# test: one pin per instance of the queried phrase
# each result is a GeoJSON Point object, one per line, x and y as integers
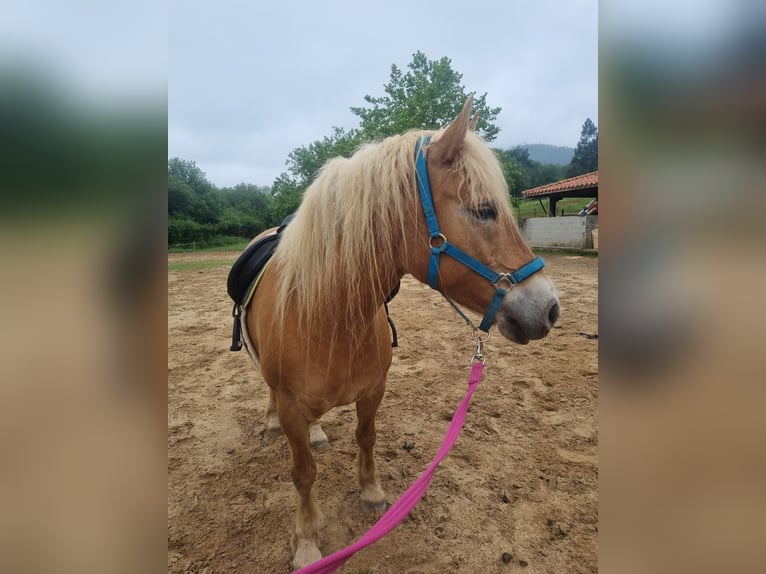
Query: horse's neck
{"type": "Point", "coordinates": [369, 296]}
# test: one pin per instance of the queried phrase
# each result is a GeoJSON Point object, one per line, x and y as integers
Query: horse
{"type": "Point", "coordinates": [316, 326]}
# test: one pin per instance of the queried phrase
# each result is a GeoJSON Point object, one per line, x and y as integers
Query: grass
{"type": "Point", "coordinates": [564, 251]}
{"type": "Point", "coordinates": [220, 243]}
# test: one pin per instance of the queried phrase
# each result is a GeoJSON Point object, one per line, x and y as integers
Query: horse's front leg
{"type": "Point", "coordinates": [317, 436]}
{"type": "Point", "coordinates": [372, 498]}
{"type": "Point", "coordinates": [308, 517]}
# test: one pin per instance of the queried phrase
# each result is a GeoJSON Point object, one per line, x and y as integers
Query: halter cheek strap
{"type": "Point", "coordinates": [503, 282]}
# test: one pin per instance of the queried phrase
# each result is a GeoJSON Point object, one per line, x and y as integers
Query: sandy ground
{"type": "Point", "coordinates": [518, 493]}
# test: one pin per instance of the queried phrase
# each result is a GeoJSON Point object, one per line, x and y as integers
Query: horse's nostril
{"type": "Point", "coordinates": [553, 314]}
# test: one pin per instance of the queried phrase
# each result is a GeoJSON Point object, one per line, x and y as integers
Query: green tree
{"type": "Point", "coordinates": [253, 204]}
{"type": "Point", "coordinates": [548, 173]}
{"type": "Point", "coordinates": [185, 230]}
{"type": "Point", "coordinates": [304, 162]}
{"type": "Point", "coordinates": [287, 193]}
{"type": "Point", "coordinates": [522, 172]}
{"type": "Point", "coordinates": [199, 211]}
{"type": "Point", "coordinates": [428, 96]}
{"type": "Point", "coordinates": [181, 196]}
{"type": "Point", "coordinates": [188, 172]}
{"type": "Point", "coordinates": [585, 158]}
{"type": "Point", "coordinates": [516, 176]}
{"type": "Point", "coordinates": [205, 205]}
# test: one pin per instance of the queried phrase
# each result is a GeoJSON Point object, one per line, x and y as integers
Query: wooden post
{"type": "Point", "coordinates": [553, 202]}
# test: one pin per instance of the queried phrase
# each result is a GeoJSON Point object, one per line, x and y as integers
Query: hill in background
{"type": "Point", "coordinates": [544, 153]}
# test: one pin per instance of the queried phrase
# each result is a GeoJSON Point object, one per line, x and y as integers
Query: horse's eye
{"type": "Point", "coordinates": [486, 211]}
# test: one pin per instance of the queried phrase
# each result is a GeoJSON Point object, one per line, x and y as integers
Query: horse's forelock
{"type": "Point", "coordinates": [483, 176]}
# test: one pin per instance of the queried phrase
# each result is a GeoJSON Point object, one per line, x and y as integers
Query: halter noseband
{"type": "Point", "coordinates": [503, 282]}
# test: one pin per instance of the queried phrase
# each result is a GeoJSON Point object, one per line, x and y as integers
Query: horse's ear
{"type": "Point", "coordinates": [474, 121]}
{"type": "Point", "coordinates": [447, 148]}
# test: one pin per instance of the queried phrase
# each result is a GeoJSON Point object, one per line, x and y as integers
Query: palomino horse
{"type": "Point", "coordinates": [316, 326]}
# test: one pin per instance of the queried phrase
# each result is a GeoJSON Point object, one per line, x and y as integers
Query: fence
{"type": "Point", "coordinates": [221, 243]}
{"type": "Point", "coordinates": [183, 246]}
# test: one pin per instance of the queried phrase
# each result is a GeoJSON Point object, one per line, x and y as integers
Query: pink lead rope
{"type": "Point", "coordinates": [411, 496]}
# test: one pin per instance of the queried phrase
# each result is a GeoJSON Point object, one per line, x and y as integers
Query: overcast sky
{"type": "Point", "coordinates": [249, 81]}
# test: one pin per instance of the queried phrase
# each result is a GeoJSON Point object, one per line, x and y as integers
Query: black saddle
{"type": "Point", "coordinates": [244, 271]}
{"type": "Point", "coordinates": [251, 262]}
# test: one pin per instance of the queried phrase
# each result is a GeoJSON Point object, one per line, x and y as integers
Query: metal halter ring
{"type": "Point", "coordinates": [477, 336]}
{"type": "Point", "coordinates": [437, 237]}
{"type": "Point", "coordinates": [507, 277]}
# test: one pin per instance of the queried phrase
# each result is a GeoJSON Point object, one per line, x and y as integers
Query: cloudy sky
{"type": "Point", "coordinates": [249, 81]}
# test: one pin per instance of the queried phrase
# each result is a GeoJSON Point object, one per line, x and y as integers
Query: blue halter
{"type": "Point", "coordinates": [503, 282]}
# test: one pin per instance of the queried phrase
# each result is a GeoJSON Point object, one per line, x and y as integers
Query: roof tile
{"type": "Point", "coordinates": [577, 182]}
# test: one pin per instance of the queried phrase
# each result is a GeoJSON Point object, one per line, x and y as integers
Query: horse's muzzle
{"type": "Point", "coordinates": [528, 316]}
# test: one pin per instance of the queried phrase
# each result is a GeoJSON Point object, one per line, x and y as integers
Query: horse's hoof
{"type": "Point", "coordinates": [317, 438]}
{"type": "Point", "coordinates": [305, 554]}
{"type": "Point", "coordinates": [368, 507]}
{"type": "Point", "coordinates": [320, 445]}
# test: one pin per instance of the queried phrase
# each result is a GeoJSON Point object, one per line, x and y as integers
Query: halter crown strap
{"type": "Point", "coordinates": [439, 245]}
{"type": "Point", "coordinates": [424, 187]}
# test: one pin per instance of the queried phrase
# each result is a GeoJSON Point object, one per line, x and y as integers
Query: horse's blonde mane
{"type": "Point", "coordinates": [348, 237]}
